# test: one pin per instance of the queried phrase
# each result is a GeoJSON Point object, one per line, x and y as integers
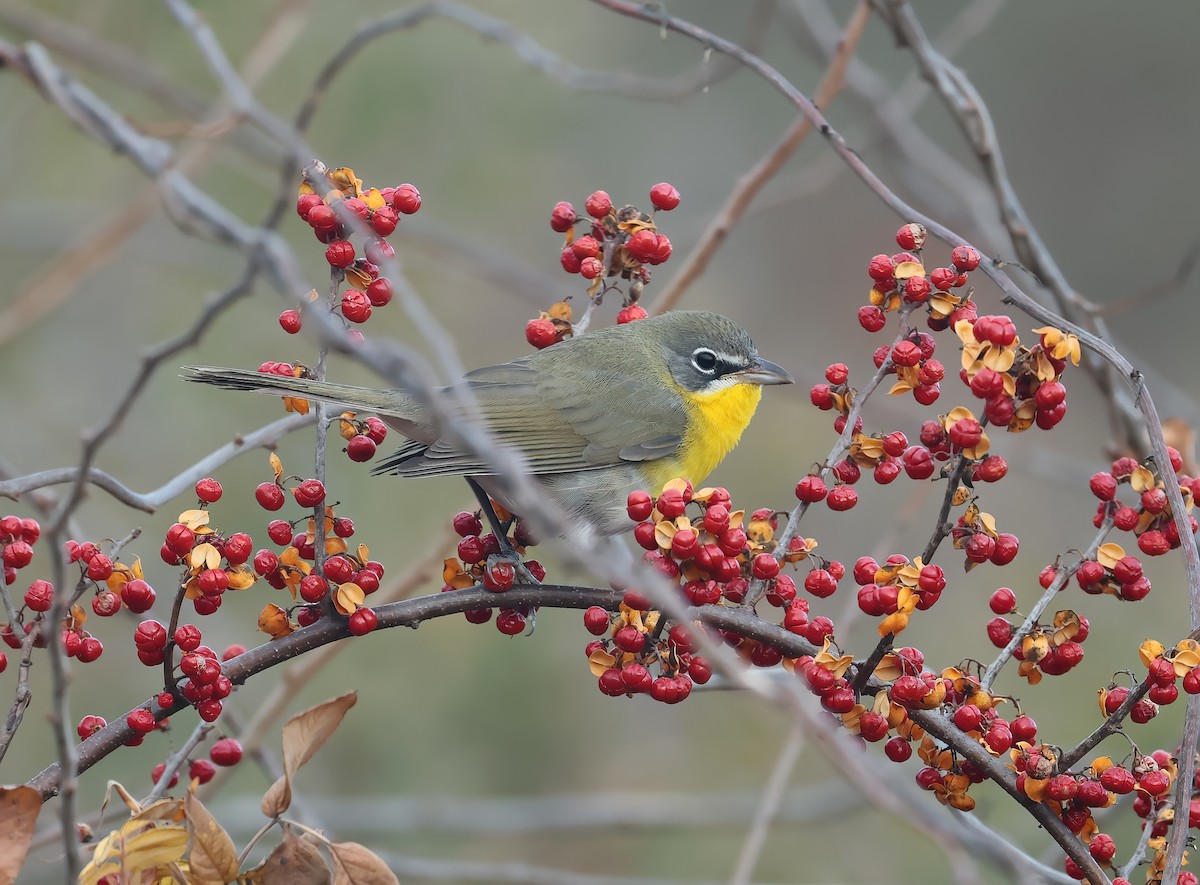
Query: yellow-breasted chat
{"type": "Point", "coordinates": [596, 417]}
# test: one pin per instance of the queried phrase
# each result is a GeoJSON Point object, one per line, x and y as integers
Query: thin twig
{"type": "Point", "coordinates": [753, 181]}
{"type": "Point", "coordinates": [266, 437]}
{"type": "Point", "coordinates": [768, 808]}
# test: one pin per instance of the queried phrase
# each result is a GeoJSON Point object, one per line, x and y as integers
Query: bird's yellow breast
{"type": "Point", "coordinates": [715, 421]}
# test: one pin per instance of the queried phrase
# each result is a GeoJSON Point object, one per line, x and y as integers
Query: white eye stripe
{"type": "Point", "coordinates": [708, 361]}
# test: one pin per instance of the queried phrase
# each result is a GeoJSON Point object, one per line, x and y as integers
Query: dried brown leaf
{"type": "Point", "coordinates": [213, 857]}
{"type": "Point", "coordinates": [19, 808]}
{"type": "Point", "coordinates": [295, 861]}
{"type": "Point", "coordinates": [358, 865]}
{"type": "Point", "coordinates": [303, 735]}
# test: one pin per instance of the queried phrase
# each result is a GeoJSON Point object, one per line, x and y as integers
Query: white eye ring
{"type": "Point", "coordinates": [704, 360]}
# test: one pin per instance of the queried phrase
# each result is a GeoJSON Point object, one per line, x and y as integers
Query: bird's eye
{"type": "Point", "coordinates": [704, 360]}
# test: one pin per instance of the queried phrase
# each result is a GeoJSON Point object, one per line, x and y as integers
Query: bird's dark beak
{"type": "Point", "coordinates": [765, 372]}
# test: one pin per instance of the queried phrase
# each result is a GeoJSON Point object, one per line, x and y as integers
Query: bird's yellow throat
{"type": "Point", "coordinates": [715, 421]}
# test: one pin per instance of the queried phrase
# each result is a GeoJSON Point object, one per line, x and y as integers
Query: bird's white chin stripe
{"type": "Point", "coordinates": [719, 384]}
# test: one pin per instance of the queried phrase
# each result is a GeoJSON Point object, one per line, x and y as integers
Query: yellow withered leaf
{"type": "Point", "coordinates": [273, 621]}
{"type": "Point", "coordinates": [1035, 647]}
{"type": "Point", "coordinates": [1141, 480]}
{"type": "Point", "coordinates": [599, 661]}
{"type": "Point", "coordinates": [1187, 656]}
{"type": "Point", "coordinates": [837, 664]}
{"type": "Point", "coordinates": [240, 578]}
{"type": "Point", "coordinates": [357, 277]}
{"type": "Point", "coordinates": [1110, 554]}
{"type": "Point", "coordinates": [348, 597]}
{"type": "Point", "coordinates": [1066, 627]}
{"type": "Point", "coordinates": [374, 199]}
{"type": "Point", "coordinates": [204, 556]}
{"type": "Point", "coordinates": [344, 179]}
{"type": "Point", "coordinates": [213, 857]}
{"type": "Point", "coordinates": [193, 519]}
{"type": "Point", "coordinates": [454, 576]}
{"type": "Point", "coordinates": [893, 623]}
{"type": "Point", "coordinates": [1150, 651]}
{"type": "Point", "coordinates": [908, 269]}
{"type": "Point", "coordinates": [276, 466]}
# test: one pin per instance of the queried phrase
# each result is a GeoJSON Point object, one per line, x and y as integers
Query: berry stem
{"type": "Point", "coordinates": [758, 588]}
{"type": "Point", "coordinates": [1060, 581]}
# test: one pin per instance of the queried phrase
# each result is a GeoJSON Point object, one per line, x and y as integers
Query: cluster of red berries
{"type": "Point", "coordinates": [17, 537]}
{"type": "Point", "coordinates": [620, 244]}
{"type": "Point", "coordinates": [338, 214]}
{"type": "Point", "coordinates": [224, 752]}
{"type": "Point", "coordinates": [1151, 520]}
{"type": "Point", "coordinates": [212, 561]}
{"type": "Point", "coordinates": [345, 577]}
{"type": "Point", "coordinates": [1020, 386]}
{"type": "Point", "coordinates": [634, 643]}
{"type": "Point", "coordinates": [713, 559]}
{"type": "Point", "coordinates": [481, 563]}
{"type": "Point", "coordinates": [363, 435]}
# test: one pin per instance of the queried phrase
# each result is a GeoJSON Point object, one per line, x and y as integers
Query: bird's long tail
{"type": "Point", "coordinates": [384, 402]}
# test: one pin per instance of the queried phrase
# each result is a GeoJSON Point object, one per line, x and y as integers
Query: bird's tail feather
{"type": "Point", "coordinates": [386, 402]}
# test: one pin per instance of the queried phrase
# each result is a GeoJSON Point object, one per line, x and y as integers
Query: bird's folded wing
{"type": "Point", "coordinates": [558, 424]}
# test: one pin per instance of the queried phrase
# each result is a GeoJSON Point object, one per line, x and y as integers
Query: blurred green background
{"type": "Point", "coordinates": [1096, 112]}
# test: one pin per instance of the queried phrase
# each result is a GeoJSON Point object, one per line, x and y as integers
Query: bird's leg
{"type": "Point", "coordinates": [500, 530]}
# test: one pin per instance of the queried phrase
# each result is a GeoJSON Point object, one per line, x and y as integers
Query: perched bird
{"type": "Point", "coordinates": [596, 417]}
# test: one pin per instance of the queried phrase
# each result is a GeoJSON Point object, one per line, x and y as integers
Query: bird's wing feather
{"type": "Point", "coordinates": [558, 423]}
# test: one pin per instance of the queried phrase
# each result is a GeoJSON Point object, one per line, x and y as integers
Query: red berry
{"type": "Point", "coordinates": [208, 490]}
{"type": "Point", "coordinates": [562, 218]}
{"type": "Point", "coordinates": [1153, 543]}
{"type": "Point", "coordinates": [100, 567]}
{"type": "Point", "coordinates": [911, 236]}
{"type": "Point", "coordinates": [980, 547]}
{"type": "Point", "coordinates": [340, 253]}
{"type": "Point", "coordinates": [406, 199]}
{"type": "Point", "coordinates": [881, 268]}
{"type": "Point", "coordinates": [898, 749]}
{"type": "Point", "coordinates": [872, 318]}
{"type": "Point", "coordinates": [841, 498]}
{"type": "Point", "coordinates": [138, 596]}
{"type": "Point", "coordinates": [499, 575]}
{"type": "Point", "coordinates": [964, 258]}
{"type": "Point", "coordinates": [141, 721]}
{"type": "Point", "coordinates": [598, 205]}
{"type": "Point", "coordinates": [664, 196]}
{"type": "Point", "coordinates": [384, 220]}
{"type": "Point", "coordinates": [309, 493]}
{"type": "Point", "coordinates": [360, 448]}
{"type": "Point", "coordinates": [643, 245]}
{"type": "Point", "coordinates": [356, 306]}
{"type": "Point", "coordinates": [269, 496]}
{"type": "Point", "coordinates": [510, 622]}
{"type": "Point", "coordinates": [999, 631]}
{"type": "Point", "coordinates": [1003, 601]}
{"type": "Point", "coordinates": [764, 567]}
{"type": "Point", "coordinates": [541, 333]}
{"type": "Point", "coordinates": [595, 620]}
{"type": "Point", "coordinates": [362, 622]}
{"type": "Point", "coordinates": [630, 314]}
{"type": "Point", "coordinates": [226, 752]}
{"type": "Point", "coordinates": [40, 596]}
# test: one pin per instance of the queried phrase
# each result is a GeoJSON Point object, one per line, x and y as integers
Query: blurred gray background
{"type": "Point", "coordinates": [1097, 115]}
